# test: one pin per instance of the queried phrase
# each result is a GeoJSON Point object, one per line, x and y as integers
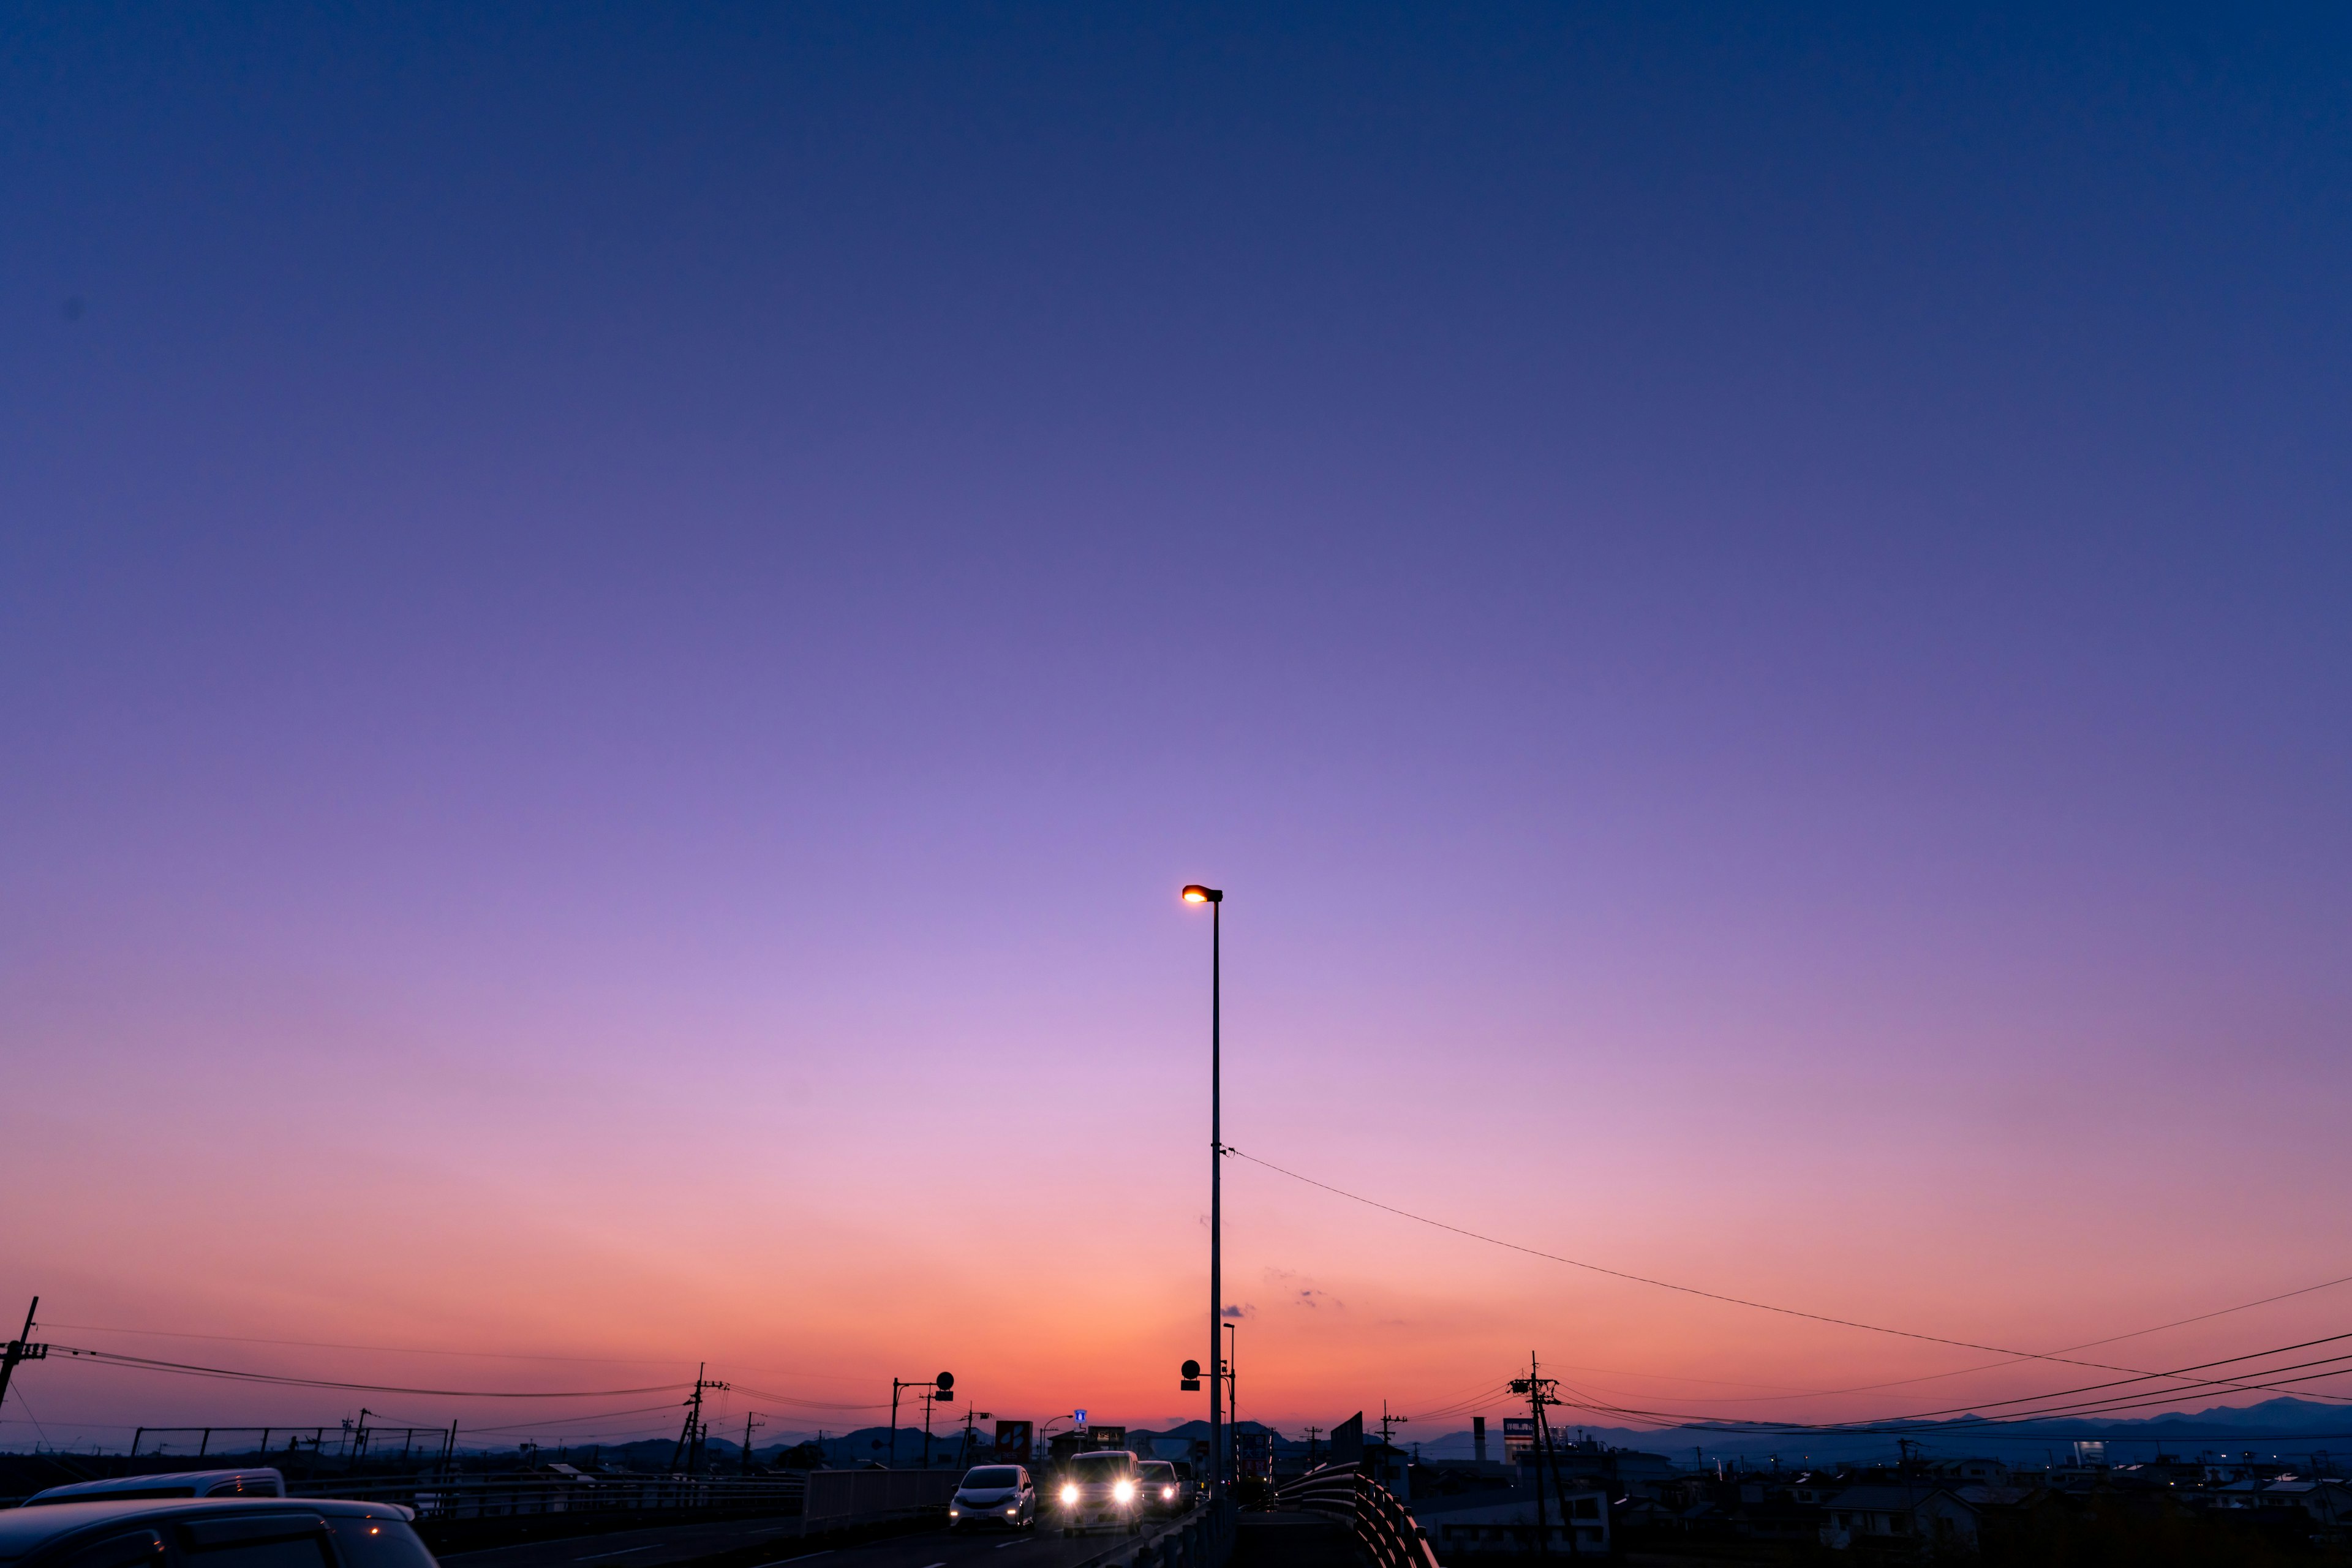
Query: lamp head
{"type": "Point", "coordinates": [1197, 894]}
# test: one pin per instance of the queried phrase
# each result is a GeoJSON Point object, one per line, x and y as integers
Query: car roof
{"type": "Point", "coordinates": [1161, 1464]}
{"type": "Point", "coordinates": [1106, 1454]}
{"type": "Point", "coordinates": [196, 1482]}
{"type": "Point", "coordinates": [26, 1530]}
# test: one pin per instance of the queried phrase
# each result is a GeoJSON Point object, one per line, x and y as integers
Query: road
{"type": "Point", "coordinates": [1039, 1548]}
{"type": "Point", "coordinates": [649, 1548]}
{"type": "Point", "coordinates": [665, 1545]}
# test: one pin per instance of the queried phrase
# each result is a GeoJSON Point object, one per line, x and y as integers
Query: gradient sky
{"type": "Point", "coordinates": [617, 630]}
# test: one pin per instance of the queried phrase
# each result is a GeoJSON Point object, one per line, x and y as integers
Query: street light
{"type": "Point", "coordinates": [1216, 899]}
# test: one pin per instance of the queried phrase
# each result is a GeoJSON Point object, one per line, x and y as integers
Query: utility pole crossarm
{"type": "Point", "coordinates": [21, 1349]}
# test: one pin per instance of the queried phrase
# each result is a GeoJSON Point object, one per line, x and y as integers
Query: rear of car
{"type": "Point", "coordinates": [993, 1494]}
{"type": "Point", "coordinates": [201, 1533]}
{"type": "Point", "coordinates": [1101, 1490]}
{"type": "Point", "coordinates": [263, 1482]}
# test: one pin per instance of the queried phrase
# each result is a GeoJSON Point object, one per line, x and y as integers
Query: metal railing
{"type": "Point", "coordinates": [1201, 1536]}
{"type": "Point", "coordinates": [457, 1496]}
{"type": "Point", "coordinates": [838, 1499]}
{"type": "Point", "coordinates": [1385, 1533]}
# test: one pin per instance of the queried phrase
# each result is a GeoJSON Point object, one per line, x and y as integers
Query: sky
{"type": "Point", "coordinates": [618, 625]}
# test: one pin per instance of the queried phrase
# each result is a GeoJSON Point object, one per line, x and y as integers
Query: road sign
{"type": "Point", "coordinates": [1078, 1419]}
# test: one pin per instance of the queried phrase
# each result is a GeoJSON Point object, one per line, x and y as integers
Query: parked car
{"type": "Point", "coordinates": [994, 1494]}
{"type": "Point", "coordinates": [1100, 1490]}
{"type": "Point", "coordinates": [1163, 1492]}
{"type": "Point", "coordinates": [179, 1483]}
{"type": "Point", "coordinates": [211, 1533]}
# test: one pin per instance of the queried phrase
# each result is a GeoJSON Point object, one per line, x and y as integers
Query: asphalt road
{"type": "Point", "coordinates": [1043, 1547]}
{"type": "Point", "coordinates": [649, 1548]}
{"type": "Point", "coordinates": [1040, 1547]}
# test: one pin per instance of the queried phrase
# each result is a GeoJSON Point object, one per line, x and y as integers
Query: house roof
{"type": "Point", "coordinates": [1888, 1499]}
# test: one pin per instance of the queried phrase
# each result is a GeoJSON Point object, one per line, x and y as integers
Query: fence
{"type": "Point", "coordinates": [1385, 1533]}
{"type": "Point", "coordinates": [507, 1497]}
{"type": "Point", "coordinates": [837, 1499]}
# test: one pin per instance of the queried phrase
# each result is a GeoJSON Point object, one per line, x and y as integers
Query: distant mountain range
{"type": "Point", "coordinates": [2300, 1425]}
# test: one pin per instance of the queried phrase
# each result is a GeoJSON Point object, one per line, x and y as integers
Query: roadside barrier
{"type": "Point", "coordinates": [449, 1498]}
{"type": "Point", "coordinates": [1385, 1533]}
{"type": "Point", "coordinates": [838, 1499]}
{"type": "Point", "coordinates": [1201, 1539]}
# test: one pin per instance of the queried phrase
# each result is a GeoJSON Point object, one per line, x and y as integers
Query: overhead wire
{"type": "Point", "coordinates": [147, 1363]}
{"type": "Point", "coordinates": [1967, 1415]}
{"type": "Point", "coordinates": [392, 1350]}
{"type": "Point", "coordinates": [2010, 1353]}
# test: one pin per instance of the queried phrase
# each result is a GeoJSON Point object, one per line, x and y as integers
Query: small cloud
{"type": "Point", "coordinates": [1246, 1309]}
{"type": "Point", "coordinates": [1312, 1298]}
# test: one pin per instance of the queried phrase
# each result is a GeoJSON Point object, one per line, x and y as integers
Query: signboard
{"type": "Point", "coordinates": [1109, 1436]}
{"type": "Point", "coordinates": [1012, 1442]}
{"type": "Point", "coordinates": [1254, 1455]}
{"type": "Point", "coordinates": [1078, 1419]}
{"type": "Point", "coordinates": [1518, 1438]}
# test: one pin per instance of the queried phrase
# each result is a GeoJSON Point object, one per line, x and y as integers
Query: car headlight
{"type": "Point", "coordinates": [1124, 1492]}
{"type": "Point", "coordinates": [1167, 1491]}
{"type": "Point", "coordinates": [1011, 1512]}
{"type": "Point", "coordinates": [1070, 1496]}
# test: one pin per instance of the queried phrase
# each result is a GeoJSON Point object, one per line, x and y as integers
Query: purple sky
{"type": "Point", "coordinates": [616, 633]}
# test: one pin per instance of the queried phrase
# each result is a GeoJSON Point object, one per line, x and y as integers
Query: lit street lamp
{"type": "Point", "coordinates": [1216, 899]}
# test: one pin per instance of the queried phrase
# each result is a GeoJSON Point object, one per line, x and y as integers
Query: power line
{"type": "Point", "coordinates": [1928, 1420]}
{"type": "Point", "coordinates": [1743, 1302]}
{"type": "Point", "coordinates": [805, 1404]}
{"type": "Point", "coordinates": [394, 1350]}
{"type": "Point", "coordinates": [144, 1363]}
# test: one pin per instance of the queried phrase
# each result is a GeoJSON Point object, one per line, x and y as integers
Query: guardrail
{"type": "Point", "coordinates": [838, 1499]}
{"type": "Point", "coordinates": [507, 1497]}
{"type": "Point", "coordinates": [1385, 1533]}
{"type": "Point", "coordinates": [1201, 1539]}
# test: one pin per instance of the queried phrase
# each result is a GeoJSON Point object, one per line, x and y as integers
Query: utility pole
{"type": "Point", "coordinates": [970, 1416]}
{"type": "Point", "coordinates": [21, 1349]}
{"type": "Point", "coordinates": [690, 1436]}
{"type": "Point", "coordinates": [1388, 1420]}
{"type": "Point", "coordinates": [1312, 1432]}
{"type": "Point", "coordinates": [1538, 1391]}
{"type": "Point", "coordinates": [1552, 1462]}
{"type": "Point", "coordinates": [1234, 1399]}
{"type": "Point", "coordinates": [750, 1421]}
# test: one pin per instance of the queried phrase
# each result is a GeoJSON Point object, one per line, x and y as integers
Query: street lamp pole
{"type": "Point", "coordinates": [1215, 899]}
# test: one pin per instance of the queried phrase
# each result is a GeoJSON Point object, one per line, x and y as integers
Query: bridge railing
{"type": "Point", "coordinates": [506, 1497]}
{"type": "Point", "coordinates": [1385, 1533]}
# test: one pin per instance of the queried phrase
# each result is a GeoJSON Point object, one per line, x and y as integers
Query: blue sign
{"type": "Point", "coordinates": [1080, 1417]}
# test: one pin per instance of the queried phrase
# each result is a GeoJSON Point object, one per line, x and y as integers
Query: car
{"type": "Point", "coordinates": [1100, 1490]}
{"type": "Point", "coordinates": [993, 1494]}
{"type": "Point", "coordinates": [211, 1533]}
{"type": "Point", "coordinates": [1188, 1485]}
{"type": "Point", "coordinates": [1163, 1492]}
{"type": "Point", "coordinates": [178, 1483]}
